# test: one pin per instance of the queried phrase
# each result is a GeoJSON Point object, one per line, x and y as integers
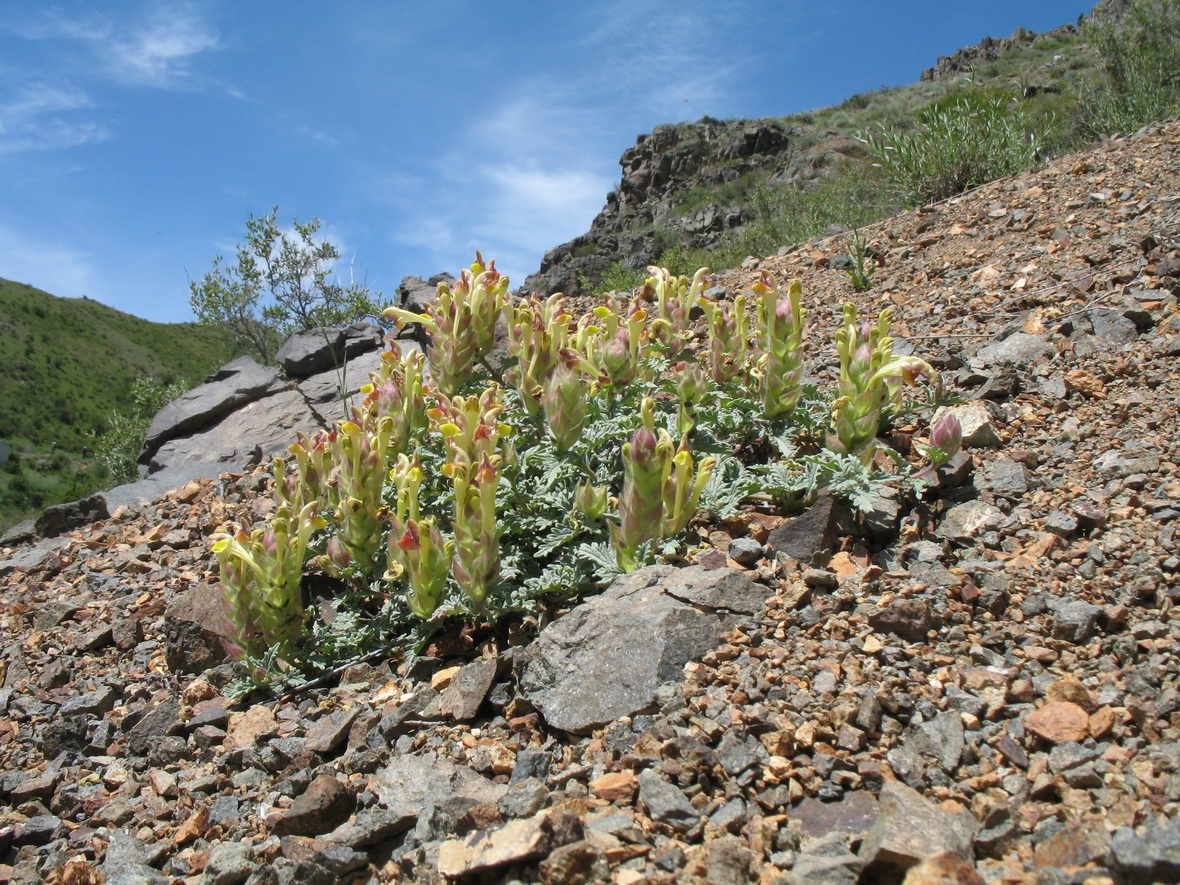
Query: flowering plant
{"type": "Point", "coordinates": [451, 491]}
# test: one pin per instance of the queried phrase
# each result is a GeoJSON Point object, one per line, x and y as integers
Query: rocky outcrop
{"type": "Point", "coordinates": [659, 174]}
{"type": "Point", "coordinates": [245, 411]}
{"type": "Point", "coordinates": [318, 350]}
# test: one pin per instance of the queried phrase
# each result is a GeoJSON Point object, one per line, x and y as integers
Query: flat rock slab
{"type": "Point", "coordinates": [326, 386]}
{"type": "Point", "coordinates": [32, 557]}
{"type": "Point", "coordinates": [606, 658]}
{"type": "Point", "coordinates": [410, 784]}
{"type": "Point", "coordinates": [910, 828]}
{"type": "Point", "coordinates": [314, 350]}
{"type": "Point", "coordinates": [852, 816]}
{"type": "Point", "coordinates": [1018, 349]}
{"type": "Point", "coordinates": [269, 423]}
{"type": "Point", "coordinates": [516, 841]}
{"type": "Point", "coordinates": [151, 488]}
{"type": "Point", "coordinates": [230, 387]}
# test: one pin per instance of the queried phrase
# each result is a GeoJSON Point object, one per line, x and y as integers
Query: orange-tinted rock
{"type": "Point", "coordinates": [248, 726]}
{"type": "Point", "coordinates": [1059, 721]}
{"type": "Point", "coordinates": [1101, 722]}
{"type": "Point", "coordinates": [1072, 691]}
{"type": "Point", "coordinates": [616, 785]}
{"type": "Point", "coordinates": [947, 868]}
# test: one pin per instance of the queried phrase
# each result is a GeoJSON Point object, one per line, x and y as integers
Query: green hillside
{"type": "Point", "coordinates": [67, 365]}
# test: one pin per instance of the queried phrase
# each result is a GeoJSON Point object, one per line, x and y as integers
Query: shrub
{"type": "Point", "coordinates": [117, 448]}
{"type": "Point", "coordinates": [1139, 55]}
{"type": "Point", "coordinates": [465, 493]}
{"type": "Point", "coordinates": [282, 281]}
{"type": "Point", "coordinates": [964, 142]}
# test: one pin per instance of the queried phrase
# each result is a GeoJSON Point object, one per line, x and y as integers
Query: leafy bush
{"type": "Point", "coordinates": [471, 493]}
{"type": "Point", "coordinates": [955, 145]}
{"type": "Point", "coordinates": [117, 448]}
{"type": "Point", "coordinates": [1139, 55]}
{"type": "Point", "coordinates": [282, 282]}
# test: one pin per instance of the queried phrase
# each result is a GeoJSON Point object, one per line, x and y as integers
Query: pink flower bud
{"type": "Point", "coordinates": [411, 540]}
{"type": "Point", "coordinates": [947, 433]}
{"type": "Point", "coordinates": [338, 553]}
{"type": "Point", "coordinates": [643, 446]}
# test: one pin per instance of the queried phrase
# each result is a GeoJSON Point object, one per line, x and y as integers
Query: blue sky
{"type": "Point", "coordinates": [136, 137]}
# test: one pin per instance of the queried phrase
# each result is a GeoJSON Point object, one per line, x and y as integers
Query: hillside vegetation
{"type": "Point", "coordinates": [67, 365]}
{"type": "Point", "coordinates": [985, 112]}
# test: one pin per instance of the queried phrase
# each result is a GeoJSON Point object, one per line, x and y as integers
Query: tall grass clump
{"type": "Point", "coordinates": [781, 213]}
{"type": "Point", "coordinates": [1139, 56]}
{"type": "Point", "coordinates": [956, 145]}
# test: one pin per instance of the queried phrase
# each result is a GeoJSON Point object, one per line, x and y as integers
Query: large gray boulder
{"type": "Point", "coordinates": [316, 350]}
{"type": "Point", "coordinates": [232, 386]}
{"type": "Point", "coordinates": [336, 384]}
{"type": "Point", "coordinates": [606, 658]}
{"type": "Point", "coordinates": [269, 424]}
{"type": "Point", "coordinates": [415, 293]}
{"type": "Point", "coordinates": [333, 393]}
{"type": "Point", "coordinates": [245, 409]}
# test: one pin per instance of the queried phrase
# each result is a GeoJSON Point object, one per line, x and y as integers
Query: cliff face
{"type": "Point", "coordinates": [662, 169]}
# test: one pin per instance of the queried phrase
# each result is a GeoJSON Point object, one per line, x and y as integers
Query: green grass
{"type": "Point", "coordinates": [791, 212]}
{"type": "Point", "coordinates": [67, 365]}
{"type": "Point", "coordinates": [957, 143]}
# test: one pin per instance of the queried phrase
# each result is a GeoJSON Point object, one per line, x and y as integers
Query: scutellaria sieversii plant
{"type": "Point", "coordinates": [779, 368]}
{"type": "Point", "coordinates": [675, 297]}
{"type": "Point", "coordinates": [462, 322]}
{"type": "Point", "coordinates": [729, 346]}
{"type": "Point", "coordinates": [870, 382]}
{"type": "Point", "coordinates": [261, 574]}
{"type": "Point", "coordinates": [450, 492]}
{"type": "Point", "coordinates": [538, 339]}
{"type": "Point", "coordinates": [477, 444]}
{"type": "Point", "coordinates": [661, 488]}
{"type": "Point", "coordinates": [417, 549]}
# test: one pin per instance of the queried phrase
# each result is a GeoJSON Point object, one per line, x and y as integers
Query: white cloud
{"type": "Point", "coordinates": [39, 118]}
{"type": "Point", "coordinates": [532, 169]}
{"type": "Point", "coordinates": [548, 192]}
{"type": "Point", "coordinates": [47, 110]}
{"type": "Point", "coordinates": [158, 51]}
{"type": "Point", "coordinates": [155, 49]}
{"type": "Point", "coordinates": [60, 270]}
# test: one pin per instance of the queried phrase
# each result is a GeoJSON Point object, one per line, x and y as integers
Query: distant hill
{"type": "Point", "coordinates": [714, 191]}
{"type": "Point", "coordinates": [66, 364]}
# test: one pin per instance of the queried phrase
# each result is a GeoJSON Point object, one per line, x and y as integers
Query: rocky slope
{"type": "Point", "coordinates": [984, 688]}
